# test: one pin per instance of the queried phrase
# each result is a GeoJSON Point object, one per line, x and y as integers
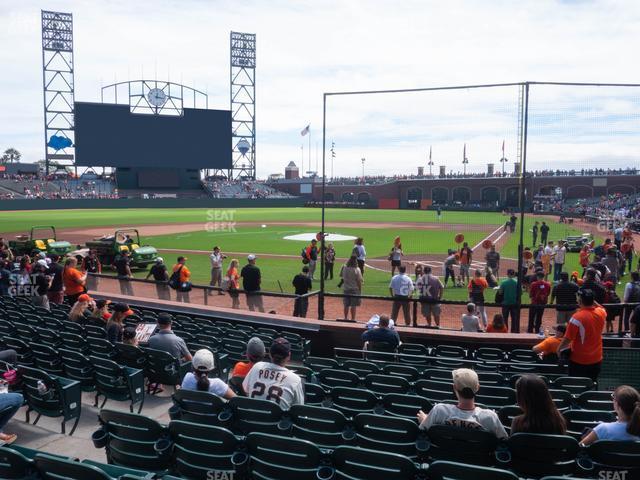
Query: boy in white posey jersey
{"type": "Point", "coordinates": [273, 381]}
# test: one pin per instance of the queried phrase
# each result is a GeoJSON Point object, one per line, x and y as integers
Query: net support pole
{"type": "Point", "coordinates": [322, 243]}
{"type": "Point", "coordinates": [523, 172]}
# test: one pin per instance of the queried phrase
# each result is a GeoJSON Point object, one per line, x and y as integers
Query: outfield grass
{"type": "Point", "coordinates": [20, 221]}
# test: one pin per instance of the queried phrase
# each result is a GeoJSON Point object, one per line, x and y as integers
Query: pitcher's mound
{"type": "Point", "coordinates": [329, 237]}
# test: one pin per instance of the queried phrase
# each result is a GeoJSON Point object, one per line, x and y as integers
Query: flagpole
{"type": "Point", "coordinates": [309, 149]}
{"type": "Point", "coordinates": [302, 154]}
{"type": "Point", "coordinates": [316, 158]}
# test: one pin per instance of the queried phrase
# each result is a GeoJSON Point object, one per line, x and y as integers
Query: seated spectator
{"type": "Point", "coordinates": [626, 403]}
{"type": "Point", "coordinates": [382, 333]}
{"type": "Point", "coordinates": [100, 314]}
{"type": "Point", "coordinates": [497, 325]}
{"type": "Point", "coordinates": [540, 414]}
{"type": "Point", "coordinates": [273, 381]}
{"type": "Point", "coordinates": [129, 336]}
{"type": "Point", "coordinates": [464, 414]}
{"type": "Point", "coordinates": [115, 324]}
{"type": "Point", "coordinates": [78, 312]}
{"type": "Point", "coordinates": [167, 341]}
{"type": "Point", "coordinates": [549, 346]}
{"type": "Point", "coordinates": [470, 321]}
{"type": "Point", "coordinates": [255, 353]}
{"type": "Point", "coordinates": [10, 403]}
{"type": "Point", "coordinates": [203, 364]}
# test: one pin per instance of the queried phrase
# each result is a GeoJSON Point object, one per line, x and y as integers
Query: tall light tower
{"type": "Point", "coordinates": [243, 105]}
{"type": "Point", "coordinates": [363, 160]}
{"type": "Point", "coordinates": [465, 160]}
{"type": "Point", "coordinates": [430, 163]}
{"type": "Point", "coordinates": [58, 88]}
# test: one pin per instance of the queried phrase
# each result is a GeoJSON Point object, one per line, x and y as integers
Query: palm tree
{"type": "Point", "coordinates": [11, 155]}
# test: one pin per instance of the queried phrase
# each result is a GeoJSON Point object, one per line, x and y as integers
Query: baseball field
{"type": "Point", "coordinates": [193, 233]}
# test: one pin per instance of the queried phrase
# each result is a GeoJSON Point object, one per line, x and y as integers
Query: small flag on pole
{"type": "Point", "coordinates": [305, 130]}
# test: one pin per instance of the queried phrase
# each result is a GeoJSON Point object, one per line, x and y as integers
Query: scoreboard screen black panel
{"type": "Point", "coordinates": [108, 135]}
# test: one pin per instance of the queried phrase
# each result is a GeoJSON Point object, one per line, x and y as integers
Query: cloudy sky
{"type": "Point", "coordinates": [306, 48]}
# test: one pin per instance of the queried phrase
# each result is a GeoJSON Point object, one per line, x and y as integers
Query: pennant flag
{"type": "Point", "coordinates": [305, 130]}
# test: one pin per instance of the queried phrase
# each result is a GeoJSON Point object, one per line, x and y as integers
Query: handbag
{"type": "Point", "coordinates": [11, 376]}
{"type": "Point", "coordinates": [499, 297]}
{"type": "Point", "coordinates": [174, 280]}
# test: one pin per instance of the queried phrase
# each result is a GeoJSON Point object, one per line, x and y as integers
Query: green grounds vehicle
{"type": "Point", "coordinates": [108, 247]}
{"type": "Point", "coordinates": [576, 242]}
{"type": "Point", "coordinates": [41, 238]}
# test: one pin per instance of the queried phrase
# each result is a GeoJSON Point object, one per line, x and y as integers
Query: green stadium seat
{"type": "Point", "coordinates": [77, 367]}
{"type": "Point", "coordinates": [46, 358]}
{"type": "Point", "coordinates": [385, 349]}
{"type": "Point", "coordinates": [405, 406]}
{"type": "Point", "coordinates": [303, 372]}
{"type": "Point", "coordinates": [388, 434]}
{"type": "Point", "coordinates": [101, 347]}
{"type": "Point", "coordinates": [438, 374]}
{"type": "Point", "coordinates": [318, 363]}
{"type": "Point", "coordinates": [435, 391]}
{"type": "Point", "coordinates": [507, 414]}
{"type": "Point", "coordinates": [409, 373]}
{"type": "Point", "coordinates": [360, 367]}
{"type": "Point", "coordinates": [246, 415]}
{"type": "Point", "coordinates": [496, 397]}
{"type": "Point", "coordinates": [130, 441]}
{"type": "Point", "coordinates": [614, 456]}
{"type": "Point", "coordinates": [118, 472]}
{"type": "Point", "coordinates": [163, 368]}
{"type": "Point", "coordinates": [130, 356]}
{"type": "Point", "coordinates": [475, 447]}
{"type": "Point", "coordinates": [523, 356]}
{"type": "Point", "coordinates": [51, 468]}
{"type": "Point", "coordinates": [562, 399]}
{"type": "Point", "coordinates": [49, 337]}
{"type": "Point", "coordinates": [197, 407]}
{"type": "Point", "coordinates": [212, 342]}
{"type": "Point", "coordinates": [14, 465]}
{"type": "Point", "coordinates": [533, 455]}
{"type": "Point", "coordinates": [201, 449]}
{"type": "Point", "coordinates": [489, 354]}
{"type": "Point", "coordinates": [352, 401]}
{"type": "Point", "coordinates": [596, 400]}
{"type": "Point", "coordinates": [354, 463]}
{"type": "Point", "coordinates": [73, 327]}
{"type": "Point", "coordinates": [579, 420]}
{"type": "Point", "coordinates": [326, 427]}
{"type": "Point", "coordinates": [575, 385]}
{"type": "Point", "coordinates": [93, 331]}
{"type": "Point", "coordinates": [493, 379]}
{"type": "Point", "coordinates": [117, 382]}
{"type": "Point", "coordinates": [62, 398]}
{"type": "Point", "coordinates": [330, 378]}
{"type": "Point", "coordinates": [273, 457]}
{"type": "Point", "coordinates": [443, 470]}
{"type": "Point", "coordinates": [25, 356]}
{"type": "Point", "coordinates": [314, 394]}
{"type": "Point", "coordinates": [75, 342]}
{"type": "Point", "coordinates": [450, 351]}
{"type": "Point", "coordinates": [414, 354]}
{"type": "Point", "coordinates": [383, 384]}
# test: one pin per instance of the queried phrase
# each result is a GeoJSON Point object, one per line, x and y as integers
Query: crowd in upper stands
{"type": "Point", "coordinates": [615, 205]}
{"type": "Point", "coordinates": [53, 187]}
{"type": "Point", "coordinates": [225, 188]}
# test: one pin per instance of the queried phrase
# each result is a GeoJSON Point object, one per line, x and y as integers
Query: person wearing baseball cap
{"type": "Point", "coordinates": [159, 273]}
{"type": "Point", "coordinates": [464, 414]}
{"type": "Point", "coordinates": [40, 282]}
{"type": "Point", "coordinates": [255, 353]}
{"type": "Point", "coordinates": [273, 381]}
{"type": "Point", "coordinates": [79, 309]}
{"type": "Point", "coordinates": [251, 279]}
{"type": "Point", "coordinates": [184, 280]}
{"type": "Point", "coordinates": [584, 337]}
{"type": "Point", "coordinates": [203, 364]}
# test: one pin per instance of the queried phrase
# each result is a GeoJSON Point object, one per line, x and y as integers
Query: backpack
{"type": "Point", "coordinates": [174, 279]}
{"type": "Point", "coordinates": [634, 293]}
{"type": "Point", "coordinates": [303, 254]}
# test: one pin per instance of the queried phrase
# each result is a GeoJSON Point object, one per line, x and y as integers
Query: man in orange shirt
{"type": "Point", "coordinates": [184, 280]}
{"type": "Point", "coordinates": [255, 353]}
{"type": "Point", "coordinates": [466, 256]}
{"type": "Point", "coordinates": [584, 335]}
{"type": "Point", "coordinates": [73, 280]}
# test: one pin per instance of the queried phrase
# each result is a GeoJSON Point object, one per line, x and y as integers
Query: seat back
{"type": "Point", "coordinates": [610, 455]}
{"type": "Point", "coordinates": [355, 463]}
{"type": "Point", "coordinates": [575, 385]}
{"type": "Point", "coordinates": [490, 354]}
{"type": "Point", "coordinates": [461, 445]}
{"type": "Point", "coordinates": [53, 468]}
{"type": "Point", "coordinates": [383, 384]}
{"type": "Point", "coordinates": [110, 378]}
{"type": "Point", "coordinates": [131, 356]}
{"type": "Point", "coordinates": [73, 341]}
{"type": "Point", "coordinates": [596, 400]}
{"type": "Point", "coordinates": [198, 407]}
{"type": "Point", "coordinates": [409, 373]}
{"type": "Point", "coordinates": [199, 449]}
{"type": "Point", "coordinates": [360, 367]}
{"type": "Point", "coordinates": [414, 354]}
{"type": "Point", "coordinates": [162, 367]}
{"type": "Point", "coordinates": [443, 470]}
{"type": "Point", "coordinates": [352, 401]}
{"type": "Point", "coordinates": [562, 398]}
{"type": "Point", "coordinates": [405, 406]}
{"type": "Point", "coordinates": [131, 440]}
{"type": "Point", "coordinates": [47, 358]}
{"type": "Point", "coordinates": [101, 347]}
{"type": "Point", "coordinates": [14, 465]}
{"type": "Point", "coordinates": [48, 403]}
{"type": "Point", "coordinates": [314, 394]}
{"type": "Point", "coordinates": [255, 415]}
{"type": "Point", "coordinates": [318, 363]}
{"type": "Point", "coordinates": [507, 414]}
{"type": "Point", "coordinates": [282, 458]}
{"type": "Point", "coordinates": [579, 420]}
{"type": "Point", "coordinates": [323, 426]}
{"type": "Point", "coordinates": [387, 434]}
{"type": "Point", "coordinates": [538, 455]}
{"type": "Point", "coordinates": [77, 367]}
{"type": "Point", "coordinates": [496, 397]}
{"type": "Point", "coordinates": [435, 391]}
{"type": "Point", "coordinates": [330, 377]}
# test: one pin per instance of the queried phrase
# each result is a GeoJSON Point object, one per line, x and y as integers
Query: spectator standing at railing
{"type": "Point", "coordinates": [493, 261]}
{"type": "Point", "coordinates": [430, 289]}
{"type": "Point", "coordinates": [74, 280]}
{"type": "Point", "coordinates": [631, 295]}
{"type": "Point", "coordinates": [466, 257]}
{"type": "Point", "coordinates": [302, 285]}
{"type": "Point", "coordinates": [477, 286]}
{"type": "Point", "coordinates": [184, 280]}
{"type": "Point", "coordinates": [361, 253]}
{"type": "Point", "coordinates": [395, 255]}
{"type": "Point", "coordinates": [351, 282]}
{"type": "Point", "coordinates": [160, 275]}
{"type": "Point", "coordinates": [329, 261]}
{"type": "Point", "coordinates": [539, 294]}
{"type": "Point", "coordinates": [122, 264]}
{"type": "Point", "coordinates": [564, 294]}
{"type": "Point", "coordinates": [584, 337]}
{"type": "Point", "coordinates": [509, 291]}
{"type": "Point", "coordinates": [251, 280]}
{"type": "Point", "coordinates": [401, 288]}
{"type": "Point", "coordinates": [233, 283]}
{"type": "Point", "coordinates": [216, 259]}
{"type": "Point", "coordinates": [559, 256]}
{"type": "Point", "coordinates": [91, 265]}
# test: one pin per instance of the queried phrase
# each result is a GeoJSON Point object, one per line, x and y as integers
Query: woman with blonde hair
{"type": "Point", "coordinates": [395, 255]}
{"type": "Point", "coordinates": [233, 279]}
{"type": "Point", "coordinates": [78, 310]}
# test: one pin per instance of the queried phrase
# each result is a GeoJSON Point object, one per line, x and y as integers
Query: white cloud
{"type": "Point", "coordinates": [306, 48]}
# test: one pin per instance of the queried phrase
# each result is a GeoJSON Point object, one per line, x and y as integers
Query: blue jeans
{"type": "Point", "coordinates": [557, 269]}
{"type": "Point", "coordinates": [10, 403]}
